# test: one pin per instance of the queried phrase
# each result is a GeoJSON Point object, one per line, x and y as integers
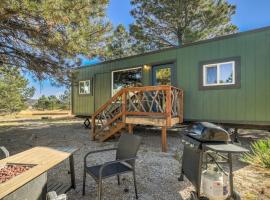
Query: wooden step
{"type": "Point", "coordinates": [102, 134]}
{"type": "Point", "coordinates": [113, 131]}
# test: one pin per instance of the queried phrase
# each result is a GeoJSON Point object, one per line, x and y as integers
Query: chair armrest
{"type": "Point", "coordinates": [97, 151]}
{"type": "Point", "coordinates": [112, 162]}
{"type": "Point", "coordinates": [5, 151]}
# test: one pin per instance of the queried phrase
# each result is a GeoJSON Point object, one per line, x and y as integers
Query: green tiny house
{"type": "Point", "coordinates": [225, 79]}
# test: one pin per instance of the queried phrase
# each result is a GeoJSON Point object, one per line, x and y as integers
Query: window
{"type": "Point", "coordinates": [162, 74]}
{"type": "Point", "coordinates": [84, 87]}
{"type": "Point", "coordinates": [224, 73]}
{"type": "Point", "coordinates": [219, 74]}
{"type": "Point", "coordinates": [126, 78]}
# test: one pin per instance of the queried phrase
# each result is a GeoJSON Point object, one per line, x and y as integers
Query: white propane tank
{"type": "Point", "coordinates": [214, 184]}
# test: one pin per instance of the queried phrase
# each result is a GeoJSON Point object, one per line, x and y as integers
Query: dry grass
{"type": "Point", "coordinates": [253, 182]}
{"type": "Point", "coordinates": [34, 114]}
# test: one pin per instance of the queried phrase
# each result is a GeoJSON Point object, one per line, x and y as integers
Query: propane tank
{"type": "Point", "coordinates": [214, 184]}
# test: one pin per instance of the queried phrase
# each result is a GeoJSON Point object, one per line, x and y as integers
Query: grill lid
{"type": "Point", "coordinates": [208, 132]}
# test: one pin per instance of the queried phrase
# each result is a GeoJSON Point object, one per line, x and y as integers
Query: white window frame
{"type": "Point", "coordinates": [121, 70]}
{"type": "Point", "coordinates": [84, 84]}
{"type": "Point", "coordinates": [217, 65]}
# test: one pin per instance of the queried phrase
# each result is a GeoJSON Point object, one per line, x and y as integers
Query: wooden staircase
{"type": "Point", "coordinates": [150, 105]}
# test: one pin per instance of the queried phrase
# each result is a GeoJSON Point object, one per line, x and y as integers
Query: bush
{"type": "Point", "coordinates": [259, 155]}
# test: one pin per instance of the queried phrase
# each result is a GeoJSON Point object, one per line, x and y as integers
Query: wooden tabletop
{"type": "Point", "coordinates": [43, 157]}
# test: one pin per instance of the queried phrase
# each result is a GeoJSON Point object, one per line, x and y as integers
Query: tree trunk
{"type": "Point", "coordinates": [180, 39]}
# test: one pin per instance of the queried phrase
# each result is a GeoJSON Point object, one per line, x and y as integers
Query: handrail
{"type": "Point", "coordinates": [112, 99]}
{"type": "Point", "coordinates": [164, 100]}
{"type": "Point", "coordinates": [148, 88]}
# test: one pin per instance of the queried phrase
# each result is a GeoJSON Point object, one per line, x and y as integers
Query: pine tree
{"type": "Point", "coordinates": [14, 90]}
{"type": "Point", "coordinates": [167, 23]}
{"type": "Point", "coordinates": [44, 36]}
{"type": "Point", "coordinates": [121, 44]}
{"type": "Point", "coordinates": [65, 99]}
{"type": "Point", "coordinates": [42, 103]}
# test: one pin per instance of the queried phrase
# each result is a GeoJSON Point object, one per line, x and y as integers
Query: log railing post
{"type": "Point", "coordinates": [93, 127]}
{"type": "Point", "coordinates": [124, 101]}
{"type": "Point", "coordinates": [130, 128]}
{"type": "Point", "coordinates": [164, 138]}
{"type": "Point", "coordinates": [181, 106]}
{"type": "Point", "coordinates": [168, 107]}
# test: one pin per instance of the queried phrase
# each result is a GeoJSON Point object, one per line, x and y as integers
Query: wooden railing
{"type": "Point", "coordinates": [107, 114]}
{"type": "Point", "coordinates": [153, 101]}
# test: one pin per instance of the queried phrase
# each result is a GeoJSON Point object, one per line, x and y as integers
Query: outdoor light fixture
{"type": "Point", "coordinates": [147, 67]}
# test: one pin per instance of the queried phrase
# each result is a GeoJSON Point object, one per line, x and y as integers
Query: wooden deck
{"type": "Point", "coordinates": [150, 105]}
{"type": "Point", "coordinates": [43, 157]}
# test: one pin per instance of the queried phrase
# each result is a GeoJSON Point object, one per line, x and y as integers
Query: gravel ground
{"type": "Point", "coordinates": [157, 172]}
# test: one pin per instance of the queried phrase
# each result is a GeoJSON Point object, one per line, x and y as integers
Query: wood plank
{"type": "Point", "coordinates": [164, 138]}
{"type": "Point", "coordinates": [148, 88]}
{"type": "Point", "coordinates": [168, 107]}
{"type": "Point", "coordinates": [114, 98]}
{"type": "Point", "coordinates": [124, 100]}
{"type": "Point", "coordinates": [146, 114]}
{"type": "Point", "coordinates": [43, 157]}
{"type": "Point", "coordinates": [116, 117]}
{"type": "Point", "coordinates": [153, 121]}
{"type": "Point", "coordinates": [112, 131]}
{"type": "Point", "coordinates": [93, 131]}
{"type": "Point", "coordinates": [175, 120]}
{"type": "Point", "coordinates": [146, 121]}
{"type": "Point", "coordinates": [181, 107]}
{"type": "Point", "coordinates": [130, 128]}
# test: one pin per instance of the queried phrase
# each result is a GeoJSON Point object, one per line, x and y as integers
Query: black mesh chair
{"type": "Point", "coordinates": [125, 162]}
{"type": "Point", "coordinates": [4, 152]}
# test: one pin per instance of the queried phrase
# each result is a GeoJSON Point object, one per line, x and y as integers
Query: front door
{"type": "Point", "coordinates": [163, 74]}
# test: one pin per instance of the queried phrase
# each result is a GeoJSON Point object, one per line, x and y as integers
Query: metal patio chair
{"type": "Point", "coordinates": [126, 152]}
{"type": "Point", "coordinates": [4, 151]}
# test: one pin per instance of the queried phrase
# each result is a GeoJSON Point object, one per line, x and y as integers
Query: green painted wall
{"type": "Point", "coordinates": [248, 104]}
{"type": "Point", "coordinates": [102, 80]}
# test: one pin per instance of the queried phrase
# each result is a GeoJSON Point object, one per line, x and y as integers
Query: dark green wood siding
{"type": "Point", "coordinates": [248, 104]}
{"type": "Point", "coordinates": [102, 80]}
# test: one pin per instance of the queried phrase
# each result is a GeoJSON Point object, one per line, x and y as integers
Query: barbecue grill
{"type": "Point", "coordinates": [206, 143]}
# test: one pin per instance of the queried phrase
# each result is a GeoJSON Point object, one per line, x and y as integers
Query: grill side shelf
{"type": "Point", "coordinates": [225, 148]}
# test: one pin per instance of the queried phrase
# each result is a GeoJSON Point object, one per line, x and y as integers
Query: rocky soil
{"type": "Point", "coordinates": [157, 172]}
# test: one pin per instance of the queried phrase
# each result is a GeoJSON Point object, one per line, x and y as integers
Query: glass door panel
{"type": "Point", "coordinates": [162, 74]}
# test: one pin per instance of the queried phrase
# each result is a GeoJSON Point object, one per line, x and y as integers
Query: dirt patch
{"type": "Point", "coordinates": [157, 172]}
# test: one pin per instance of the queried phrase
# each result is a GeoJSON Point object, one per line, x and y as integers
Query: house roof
{"type": "Point", "coordinates": [183, 46]}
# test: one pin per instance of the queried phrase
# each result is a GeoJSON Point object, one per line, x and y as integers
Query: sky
{"type": "Point", "coordinates": [250, 14]}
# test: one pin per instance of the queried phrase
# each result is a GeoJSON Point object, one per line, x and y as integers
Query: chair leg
{"type": "Point", "coordinates": [84, 179]}
{"type": "Point", "coordinates": [100, 189]}
{"type": "Point", "coordinates": [118, 179]}
{"type": "Point", "coordinates": [135, 185]}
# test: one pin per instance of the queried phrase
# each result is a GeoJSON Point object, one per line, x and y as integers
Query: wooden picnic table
{"type": "Point", "coordinates": [44, 158]}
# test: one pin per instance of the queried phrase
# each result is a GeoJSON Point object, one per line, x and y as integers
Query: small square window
{"type": "Point", "coordinates": [211, 73]}
{"type": "Point", "coordinates": [219, 74]}
{"type": "Point", "coordinates": [84, 87]}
